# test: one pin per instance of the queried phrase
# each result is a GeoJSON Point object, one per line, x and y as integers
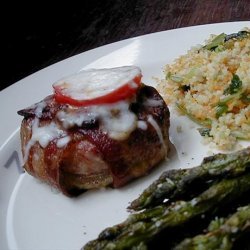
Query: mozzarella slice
{"type": "Point", "coordinates": [93, 83]}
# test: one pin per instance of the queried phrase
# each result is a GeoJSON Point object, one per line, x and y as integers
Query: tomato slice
{"type": "Point", "coordinates": [98, 86]}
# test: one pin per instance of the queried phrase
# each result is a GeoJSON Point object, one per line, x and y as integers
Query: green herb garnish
{"type": "Point", "coordinates": [204, 131]}
{"type": "Point", "coordinates": [235, 85]}
{"type": "Point", "coordinates": [173, 77]}
{"type": "Point", "coordinates": [218, 40]}
{"type": "Point", "coordinates": [239, 35]}
{"type": "Point", "coordinates": [221, 108]}
{"type": "Point", "coordinates": [184, 88]}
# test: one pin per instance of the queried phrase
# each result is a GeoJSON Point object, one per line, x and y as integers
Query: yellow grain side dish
{"type": "Point", "coordinates": [211, 85]}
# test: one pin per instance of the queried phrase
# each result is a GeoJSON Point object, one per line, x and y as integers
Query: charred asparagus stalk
{"type": "Point", "coordinates": [174, 183]}
{"type": "Point", "coordinates": [221, 233]}
{"type": "Point", "coordinates": [142, 227]}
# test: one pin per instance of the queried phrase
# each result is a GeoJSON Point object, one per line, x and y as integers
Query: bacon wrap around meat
{"type": "Point", "coordinates": [91, 159]}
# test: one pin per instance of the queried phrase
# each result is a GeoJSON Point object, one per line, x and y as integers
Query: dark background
{"type": "Point", "coordinates": [37, 35]}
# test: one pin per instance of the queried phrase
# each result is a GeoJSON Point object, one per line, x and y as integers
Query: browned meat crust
{"type": "Point", "coordinates": [92, 159]}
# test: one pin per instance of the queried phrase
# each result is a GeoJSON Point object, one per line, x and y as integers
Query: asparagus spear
{"type": "Point", "coordinates": [222, 235]}
{"type": "Point", "coordinates": [163, 187]}
{"type": "Point", "coordinates": [142, 227]}
{"type": "Point", "coordinates": [174, 183]}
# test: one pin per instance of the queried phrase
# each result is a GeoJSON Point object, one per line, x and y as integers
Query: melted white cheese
{"type": "Point", "coordinates": [115, 119]}
{"type": "Point", "coordinates": [62, 142]}
{"type": "Point", "coordinates": [142, 125]}
{"type": "Point", "coordinates": [152, 102]}
{"type": "Point", "coordinates": [152, 121]}
{"type": "Point", "coordinates": [44, 134]}
{"type": "Point", "coordinates": [93, 83]}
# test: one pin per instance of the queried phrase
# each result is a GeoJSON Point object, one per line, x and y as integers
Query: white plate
{"type": "Point", "coordinates": [32, 215]}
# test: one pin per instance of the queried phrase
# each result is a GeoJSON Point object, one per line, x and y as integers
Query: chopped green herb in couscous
{"type": "Point", "coordinates": [211, 85]}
